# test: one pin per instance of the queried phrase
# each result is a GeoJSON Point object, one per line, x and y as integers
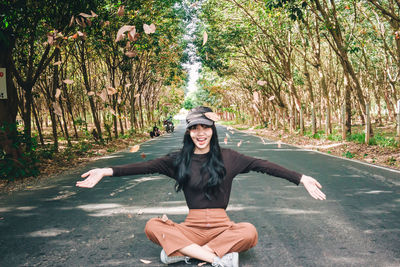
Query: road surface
{"type": "Point", "coordinates": [58, 224]}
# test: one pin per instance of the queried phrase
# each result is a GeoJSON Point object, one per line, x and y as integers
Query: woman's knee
{"type": "Point", "coordinates": [250, 234]}
{"type": "Point", "coordinates": [151, 227]}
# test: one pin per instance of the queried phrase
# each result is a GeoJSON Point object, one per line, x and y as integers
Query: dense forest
{"type": "Point", "coordinates": [98, 70]}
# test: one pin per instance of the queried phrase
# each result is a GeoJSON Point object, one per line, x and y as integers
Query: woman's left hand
{"type": "Point", "coordinates": [313, 187]}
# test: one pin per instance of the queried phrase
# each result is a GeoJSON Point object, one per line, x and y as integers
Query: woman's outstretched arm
{"type": "Point", "coordinates": [93, 177]}
{"type": "Point", "coordinates": [313, 187]}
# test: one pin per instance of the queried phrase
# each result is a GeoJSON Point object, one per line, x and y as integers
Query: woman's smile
{"type": "Point", "coordinates": [201, 136]}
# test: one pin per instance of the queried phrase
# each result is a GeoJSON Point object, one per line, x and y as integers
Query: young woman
{"type": "Point", "coordinates": [204, 172]}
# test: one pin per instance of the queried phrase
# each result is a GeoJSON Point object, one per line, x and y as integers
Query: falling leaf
{"type": "Point", "coordinates": [50, 39]}
{"type": "Point", "coordinates": [227, 135]}
{"type": "Point", "coordinates": [85, 15]}
{"type": "Point", "coordinates": [90, 93]}
{"type": "Point", "coordinates": [137, 95]}
{"type": "Point", "coordinates": [71, 21]}
{"type": "Point", "coordinates": [83, 23]}
{"type": "Point", "coordinates": [57, 109]}
{"type": "Point", "coordinates": [58, 93]}
{"type": "Point", "coordinates": [112, 112]}
{"type": "Point", "coordinates": [80, 33]}
{"type": "Point", "coordinates": [111, 91]}
{"type": "Point", "coordinates": [121, 11]}
{"type": "Point", "coordinates": [279, 143]}
{"type": "Point", "coordinates": [130, 216]}
{"type": "Point", "coordinates": [256, 97]}
{"type": "Point", "coordinates": [140, 212]}
{"type": "Point", "coordinates": [58, 63]}
{"type": "Point", "coordinates": [212, 116]}
{"type": "Point", "coordinates": [205, 37]}
{"type": "Point", "coordinates": [226, 140]}
{"type": "Point", "coordinates": [134, 149]}
{"type": "Point", "coordinates": [164, 218]}
{"type": "Point", "coordinates": [106, 23]}
{"type": "Point", "coordinates": [271, 98]}
{"type": "Point", "coordinates": [229, 128]}
{"type": "Point", "coordinates": [261, 83]}
{"type": "Point", "coordinates": [1, 218]}
{"type": "Point", "coordinates": [143, 155]}
{"type": "Point", "coordinates": [262, 140]}
{"type": "Point", "coordinates": [240, 143]}
{"type": "Point", "coordinates": [132, 33]}
{"type": "Point", "coordinates": [148, 29]}
{"type": "Point", "coordinates": [93, 14]}
{"type": "Point", "coordinates": [75, 36]}
{"type": "Point", "coordinates": [130, 53]}
{"type": "Point", "coordinates": [103, 95]}
{"type": "Point", "coordinates": [145, 261]}
{"type": "Point", "coordinates": [67, 81]}
{"type": "Point", "coordinates": [127, 85]}
{"type": "Point", "coordinates": [121, 32]}
{"type": "Point", "coordinates": [232, 132]}
{"type": "Point", "coordinates": [201, 263]}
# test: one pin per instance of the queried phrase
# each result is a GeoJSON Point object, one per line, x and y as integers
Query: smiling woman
{"type": "Point", "coordinates": [204, 172]}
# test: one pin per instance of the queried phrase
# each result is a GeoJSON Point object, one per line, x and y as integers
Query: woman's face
{"type": "Point", "coordinates": [201, 136]}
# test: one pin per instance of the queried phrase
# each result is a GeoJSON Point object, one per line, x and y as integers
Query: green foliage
{"type": "Point", "coordinates": [348, 155]}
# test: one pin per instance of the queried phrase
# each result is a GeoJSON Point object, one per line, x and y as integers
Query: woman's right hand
{"type": "Point", "coordinates": [93, 177]}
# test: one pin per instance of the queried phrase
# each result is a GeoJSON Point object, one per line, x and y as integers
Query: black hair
{"type": "Point", "coordinates": [214, 166]}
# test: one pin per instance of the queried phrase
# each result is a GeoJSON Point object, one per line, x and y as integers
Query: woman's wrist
{"type": "Point", "coordinates": [108, 171]}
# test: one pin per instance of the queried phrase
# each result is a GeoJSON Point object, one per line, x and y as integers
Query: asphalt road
{"type": "Point", "coordinates": [58, 224]}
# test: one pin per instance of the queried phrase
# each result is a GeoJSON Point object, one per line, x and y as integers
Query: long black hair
{"type": "Point", "coordinates": [214, 166]}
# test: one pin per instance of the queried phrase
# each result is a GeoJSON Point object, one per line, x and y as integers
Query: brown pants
{"type": "Point", "coordinates": [211, 227]}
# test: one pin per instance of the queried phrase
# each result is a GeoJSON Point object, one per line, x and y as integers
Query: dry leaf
{"type": "Point", "coordinates": [145, 261]}
{"type": "Point", "coordinates": [201, 263]}
{"type": "Point", "coordinates": [127, 85]}
{"type": "Point", "coordinates": [164, 218]}
{"type": "Point", "coordinates": [58, 63]}
{"type": "Point", "coordinates": [271, 98]}
{"type": "Point", "coordinates": [103, 95]}
{"type": "Point", "coordinates": [57, 109]}
{"type": "Point", "coordinates": [111, 91]}
{"type": "Point", "coordinates": [134, 149]}
{"type": "Point", "coordinates": [71, 21]}
{"type": "Point", "coordinates": [255, 107]}
{"type": "Point", "coordinates": [140, 212]}
{"type": "Point", "coordinates": [226, 140]}
{"type": "Point", "coordinates": [205, 37]}
{"type": "Point", "coordinates": [137, 95]}
{"type": "Point", "coordinates": [261, 83]}
{"type": "Point", "coordinates": [80, 33]}
{"type": "Point", "coordinates": [279, 143]}
{"type": "Point", "coordinates": [93, 14]}
{"type": "Point", "coordinates": [148, 29]}
{"type": "Point", "coordinates": [227, 135]}
{"type": "Point", "coordinates": [50, 39]}
{"type": "Point", "coordinates": [112, 112]}
{"type": "Point", "coordinates": [143, 155]}
{"type": "Point", "coordinates": [212, 116]}
{"type": "Point", "coordinates": [132, 33]}
{"type": "Point", "coordinates": [58, 93]}
{"type": "Point", "coordinates": [122, 30]}
{"type": "Point", "coordinates": [121, 11]}
{"type": "Point", "coordinates": [256, 97]}
{"type": "Point", "coordinates": [232, 132]}
{"type": "Point", "coordinates": [240, 143]}
{"type": "Point", "coordinates": [85, 15]}
{"type": "Point", "coordinates": [90, 93]}
{"type": "Point", "coordinates": [67, 81]}
{"type": "Point", "coordinates": [130, 216]}
{"type": "Point", "coordinates": [130, 53]}
{"type": "Point", "coordinates": [229, 128]}
{"type": "Point", "coordinates": [262, 140]}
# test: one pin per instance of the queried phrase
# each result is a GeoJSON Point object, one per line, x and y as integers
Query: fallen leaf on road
{"type": "Point", "coordinates": [134, 149]}
{"type": "Point", "coordinates": [145, 261]}
{"type": "Point", "coordinates": [143, 155]}
{"type": "Point", "coordinates": [226, 140]}
{"type": "Point", "coordinates": [140, 212]}
{"type": "Point", "coordinates": [240, 143]}
{"type": "Point", "coordinates": [279, 143]}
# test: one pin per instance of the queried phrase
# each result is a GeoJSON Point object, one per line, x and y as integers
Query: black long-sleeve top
{"type": "Point", "coordinates": [235, 163]}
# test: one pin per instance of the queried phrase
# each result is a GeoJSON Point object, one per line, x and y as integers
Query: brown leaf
{"type": "Point", "coordinates": [112, 112]}
{"type": "Point", "coordinates": [93, 14]}
{"type": "Point", "coordinates": [137, 95]}
{"type": "Point", "coordinates": [271, 98]}
{"type": "Point", "coordinates": [121, 32]}
{"type": "Point", "coordinates": [148, 29]}
{"type": "Point", "coordinates": [80, 33]}
{"type": "Point", "coordinates": [132, 33]}
{"type": "Point", "coordinates": [71, 21]}
{"type": "Point", "coordinates": [202, 263]}
{"type": "Point", "coordinates": [68, 81]}
{"type": "Point", "coordinates": [227, 135]}
{"type": "Point", "coordinates": [58, 93]}
{"type": "Point", "coordinates": [240, 143]}
{"type": "Point", "coordinates": [256, 97]}
{"type": "Point", "coordinates": [90, 93]}
{"type": "Point", "coordinates": [205, 37]}
{"type": "Point", "coordinates": [145, 261]}
{"type": "Point", "coordinates": [111, 91]}
{"type": "Point", "coordinates": [164, 218]}
{"type": "Point", "coordinates": [57, 109]}
{"type": "Point", "coordinates": [85, 15]}
{"type": "Point", "coordinates": [226, 140]}
{"type": "Point", "coordinates": [212, 116]}
{"type": "Point", "coordinates": [103, 95]}
{"type": "Point", "coordinates": [261, 83]}
{"type": "Point", "coordinates": [143, 155]}
{"type": "Point", "coordinates": [134, 149]}
{"type": "Point", "coordinates": [279, 143]}
{"type": "Point", "coordinates": [121, 11]}
{"type": "Point", "coordinates": [127, 85]}
{"type": "Point", "coordinates": [50, 39]}
{"type": "Point", "coordinates": [58, 63]}
{"type": "Point", "coordinates": [130, 53]}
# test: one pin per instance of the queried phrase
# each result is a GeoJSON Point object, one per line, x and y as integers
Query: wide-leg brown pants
{"type": "Point", "coordinates": [211, 227]}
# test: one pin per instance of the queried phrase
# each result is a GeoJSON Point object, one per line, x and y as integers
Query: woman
{"type": "Point", "coordinates": [204, 172]}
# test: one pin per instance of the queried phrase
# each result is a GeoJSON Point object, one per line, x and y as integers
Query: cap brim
{"type": "Point", "coordinates": [200, 121]}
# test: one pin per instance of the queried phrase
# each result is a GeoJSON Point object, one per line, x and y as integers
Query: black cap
{"type": "Point", "coordinates": [198, 116]}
